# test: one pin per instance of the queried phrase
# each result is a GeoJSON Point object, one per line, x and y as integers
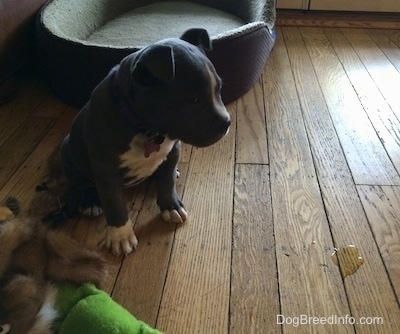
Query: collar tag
{"type": "Point", "coordinates": [152, 143]}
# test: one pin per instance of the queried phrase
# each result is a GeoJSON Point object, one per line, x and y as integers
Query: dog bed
{"type": "Point", "coordinates": [78, 42]}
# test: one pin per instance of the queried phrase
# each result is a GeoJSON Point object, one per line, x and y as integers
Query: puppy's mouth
{"type": "Point", "coordinates": [204, 141]}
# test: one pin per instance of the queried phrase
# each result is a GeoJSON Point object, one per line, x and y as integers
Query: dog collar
{"type": "Point", "coordinates": [153, 139]}
{"type": "Point", "coordinates": [123, 106]}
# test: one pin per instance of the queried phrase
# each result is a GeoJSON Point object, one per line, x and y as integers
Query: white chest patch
{"type": "Point", "coordinates": [144, 156]}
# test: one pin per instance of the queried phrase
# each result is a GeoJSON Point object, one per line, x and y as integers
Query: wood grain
{"type": "Point", "coordinates": [254, 302]}
{"type": "Point", "coordinates": [186, 152]}
{"type": "Point", "coordinates": [365, 154]}
{"type": "Point", "coordinates": [27, 135]}
{"type": "Point", "coordinates": [140, 281]}
{"type": "Point", "coordinates": [382, 71]}
{"type": "Point", "coordinates": [385, 40]}
{"type": "Point", "coordinates": [307, 277]}
{"type": "Point", "coordinates": [383, 118]}
{"type": "Point", "coordinates": [198, 282]}
{"type": "Point", "coordinates": [394, 36]}
{"type": "Point", "coordinates": [382, 205]}
{"type": "Point", "coordinates": [18, 185]}
{"type": "Point", "coordinates": [346, 216]}
{"type": "Point", "coordinates": [12, 114]}
{"type": "Point", "coordinates": [251, 137]}
{"type": "Point", "coordinates": [315, 18]}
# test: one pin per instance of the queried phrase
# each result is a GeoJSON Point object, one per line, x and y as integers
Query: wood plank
{"type": "Point", "coordinates": [307, 278]}
{"type": "Point", "coordinates": [186, 152]}
{"type": "Point", "coordinates": [196, 293]}
{"type": "Point", "coordinates": [382, 205]}
{"type": "Point", "coordinates": [384, 120]}
{"type": "Point", "coordinates": [251, 137]}
{"type": "Point", "coordinates": [21, 184]}
{"type": "Point", "coordinates": [382, 38]}
{"type": "Point", "coordinates": [254, 302]}
{"type": "Point", "coordinates": [141, 279]}
{"type": "Point", "coordinates": [356, 5]}
{"type": "Point", "coordinates": [140, 282]}
{"type": "Point", "coordinates": [365, 154]}
{"type": "Point", "coordinates": [394, 36]}
{"type": "Point", "coordinates": [20, 144]}
{"type": "Point", "coordinates": [317, 18]}
{"type": "Point", "coordinates": [382, 71]}
{"type": "Point", "coordinates": [30, 96]}
{"type": "Point", "coordinates": [369, 291]}
{"type": "Point", "coordinates": [51, 107]}
{"type": "Point", "coordinates": [91, 232]}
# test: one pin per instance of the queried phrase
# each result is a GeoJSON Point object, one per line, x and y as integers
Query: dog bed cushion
{"type": "Point", "coordinates": [80, 41]}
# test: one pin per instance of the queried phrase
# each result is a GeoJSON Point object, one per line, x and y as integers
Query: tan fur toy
{"type": "Point", "coordinates": [32, 258]}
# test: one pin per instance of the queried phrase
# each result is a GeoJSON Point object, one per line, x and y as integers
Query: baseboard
{"type": "Point", "coordinates": [301, 18]}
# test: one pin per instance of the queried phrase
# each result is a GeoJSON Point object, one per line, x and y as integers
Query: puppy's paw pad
{"type": "Point", "coordinates": [174, 216]}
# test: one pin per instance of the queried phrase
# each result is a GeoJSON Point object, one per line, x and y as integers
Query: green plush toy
{"type": "Point", "coordinates": [86, 309]}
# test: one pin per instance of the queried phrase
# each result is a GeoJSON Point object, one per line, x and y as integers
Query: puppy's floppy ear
{"type": "Point", "coordinates": [155, 64]}
{"type": "Point", "coordinates": [198, 37]}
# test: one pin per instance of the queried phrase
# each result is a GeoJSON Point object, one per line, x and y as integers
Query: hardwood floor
{"type": "Point", "coordinates": [311, 163]}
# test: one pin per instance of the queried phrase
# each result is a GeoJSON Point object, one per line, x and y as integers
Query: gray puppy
{"type": "Point", "coordinates": [132, 126]}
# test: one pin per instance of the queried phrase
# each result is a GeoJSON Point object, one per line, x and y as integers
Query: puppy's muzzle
{"type": "Point", "coordinates": [224, 125]}
{"type": "Point", "coordinates": [217, 129]}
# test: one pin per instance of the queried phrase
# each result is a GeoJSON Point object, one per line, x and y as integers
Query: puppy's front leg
{"type": "Point", "coordinates": [119, 238]}
{"type": "Point", "coordinates": [122, 239]}
{"type": "Point", "coordinates": [172, 208]}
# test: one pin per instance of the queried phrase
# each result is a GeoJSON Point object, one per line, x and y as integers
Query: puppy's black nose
{"type": "Point", "coordinates": [225, 123]}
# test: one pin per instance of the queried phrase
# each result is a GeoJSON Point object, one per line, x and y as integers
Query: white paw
{"type": "Point", "coordinates": [121, 240]}
{"type": "Point", "coordinates": [92, 211]}
{"type": "Point", "coordinates": [174, 216]}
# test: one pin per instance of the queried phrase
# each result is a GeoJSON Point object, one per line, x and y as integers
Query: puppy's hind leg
{"type": "Point", "coordinates": [90, 205]}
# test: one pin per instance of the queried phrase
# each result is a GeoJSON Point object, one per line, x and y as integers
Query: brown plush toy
{"type": "Point", "coordinates": [32, 258]}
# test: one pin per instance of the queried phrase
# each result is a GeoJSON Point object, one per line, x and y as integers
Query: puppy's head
{"type": "Point", "coordinates": [174, 89]}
